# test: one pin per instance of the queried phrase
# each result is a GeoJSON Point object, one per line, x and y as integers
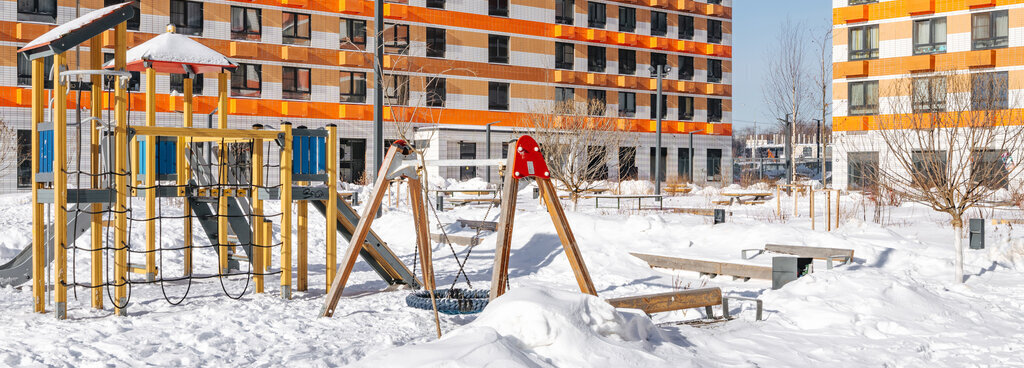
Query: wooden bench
{"type": "Point", "coordinates": [618, 199]}
{"type": "Point", "coordinates": [466, 241]}
{"type": "Point", "coordinates": [478, 225]}
{"type": "Point", "coordinates": [682, 299]}
{"type": "Point", "coordinates": [712, 268]}
{"type": "Point", "coordinates": [827, 254]}
{"type": "Point", "coordinates": [757, 198]}
{"type": "Point", "coordinates": [678, 189]}
{"type": "Point", "coordinates": [696, 211]}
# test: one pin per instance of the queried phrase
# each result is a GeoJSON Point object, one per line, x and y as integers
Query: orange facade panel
{"type": "Point", "coordinates": [242, 49]}
{"type": "Point", "coordinates": [920, 63]}
{"type": "Point", "coordinates": [563, 31]}
{"type": "Point", "coordinates": [625, 39]}
{"type": "Point", "coordinates": [851, 14]}
{"type": "Point", "coordinates": [353, 112]}
{"type": "Point", "coordinates": [565, 76]}
{"type": "Point", "coordinates": [243, 106]}
{"type": "Point", "coordinates": [851, 69]}
{"type": "Point", "coordinates": [29, 31]}
{"type": "Point", "coordinates": [916, 7]}
{"type": "Point", "coordinates": [594, 35]}
{"type": "Point", "coordinates": [294, 108]}
{"type": "Point", "coordinates": [294, 53]}
{"type": "Point", "coordinates": [981, 59]}
{"type": "Point", "coordinates": [849, 123]}
{"type": "Point", "coordinates": [657, 3]}
{"type": "Point", "coordinates": [350, 6]}
{"type": "Point", "coordinates": [596, 79]}
{"type": "Point", "coordinates": [295, 3]}
{"type": "Point", "coordinates": [396, 11]}
{"type": "Point", "coordinates": [980, 3]}
{"type": "Point", "coordinates": [351, 58]}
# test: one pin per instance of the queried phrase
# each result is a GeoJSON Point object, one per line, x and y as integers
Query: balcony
{"type": "Point", "coordinates": [852, 14]}
{"type": "Point", "coordinates": [921, 63]}
{"type": "Point", "coordinates": [852, 69]}
{"type": "Point", "coordinates": [981, 59]}
{"type": "Point", "coordinates": [917, 7]}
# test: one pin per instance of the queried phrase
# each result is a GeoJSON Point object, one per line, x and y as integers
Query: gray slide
{"type": "Point", "coordinates": [19, 270]}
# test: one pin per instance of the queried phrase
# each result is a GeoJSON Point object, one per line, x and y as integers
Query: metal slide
{"type": "Point", "coordinates": [19, 269]}
{"type": "Point", "coordinates": [205, 211]}
{"type": "Point", "coordinates": [375, 252]}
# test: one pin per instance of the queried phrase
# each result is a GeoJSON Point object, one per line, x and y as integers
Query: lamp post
{"type": "Point", "coordinates": [788, 150]}
{"type": "Point", "coordinates": [690, 153]}
{"type": "Point", "coordinates": [659, 71]}
{"type": "Point", "coordinates": [488, 128]}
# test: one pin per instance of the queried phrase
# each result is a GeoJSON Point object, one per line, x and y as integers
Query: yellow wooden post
{"type": "Point", "coordinates": [38, 222]}
{"type": "Point", "coordinates": [185, 173]}
{"type": "Point", "coordinates": [828, 210]}
{"type": "Point", "coordinates": [268, 240]}
{"type": "Point", "coordinates": [332, 202]}
{"type": "Point", "coordinates": [838, 194]}
{"type": "Point", "coordinates": [778, 200]}
{"type": "Point", "coordinates": [286, 212]}
{"type": "Point", "coordinates": [96, 224]}
{"type": "Point", "coordinates": [150, 176]}
{"type": "Point", "coordinates": [810, 192]}
{"type": "Point", "coordinates": [796, 201]}
{"type": "Point", "coordinates": [121, 179]}
{"type": "Point", "coordinates": [60, 189]}
{"type": "Point", "coordinates": [257, 211]}
{"type": "Point", "coordinates": [222, 170]}
{"type": "Point", "coordinates": [302, 246]}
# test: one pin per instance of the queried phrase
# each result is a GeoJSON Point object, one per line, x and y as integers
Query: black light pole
{"type": "Point", "coordinates": [378, 87]}
{"type": "Point", "coordinates": [817, 146]}
{"type": "Point", "coordinates": [488, 128]}
{"type": "Point", "coordinates": [660, 71]}
{"type": "Point", "coordinates": [788, 150]}
{"type": "Point", "coordinates": [690, 153]}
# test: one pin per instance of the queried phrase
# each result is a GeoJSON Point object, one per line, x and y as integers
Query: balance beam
{"type": "Point", "coordinates": [670, 301]}
{"type": "Point", "coordinates": [708, 267]}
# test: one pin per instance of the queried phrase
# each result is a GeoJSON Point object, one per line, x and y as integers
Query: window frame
{"type": "Point", "coordinates": [297, 92]}
{"type": "Point", "coordinates": [355, 29]}
{"type": "Point", "coordinates": [36, 14]}
{"type": "Point", "coordinates": [497, 8]}
{"type": "Point", "coordinates": [136, 21]}
{"type": "Point", "coordinates": [627, 19]}
{"type": "Point", "coordinates": [997, 42]}
{"type": "Point", "coordinates": [931, 47]}
{"type": "Point", "coordinates": [686, 27]}
{"type": "Point", "coordinates": [24, 71]}
{"type": "Point", "coordinates": [597, 15]}
{"type": "Point", "coordinates": [246, 91]}
{"type": "Point", "coordinates": [597, 59]}
{"type": "Point", "coordinates": [436, 92]}
{"type": "Point", "coordinates": [685, 108]}
{"type": "Point", "coordinates": [714, 117]}
{"type": "Point", "coordinates": [561, 8]}
{"type": "Point", "coordinates": [715, 74]}
{"type": "Point", "coordinates": [664, 109]}
{"type": "Point", "coordinates": [176, 83]}
{"type": "Point", "coordinates": [659, 23]}
{"type": "Point", "coordinates": [599, 95]}
{"type": "Point", "coordinates": [562, 92]}
{"type": "Point", "coordinates": [866, 108]}
{"type": "Point", "coordinates": [247, 34]}
{"type": "Point", "coordinates": [396, 89]}
{"type": "Point", "coordinates": [929, 103]}
{"type": "Point", "coordinates": [435, 4]}
{"type": "Point", "coordinates": [497, 91]}
{"type": "Point", "coordinates": [624, 67]}
{"type": "Point", "coordinates": [565, 50]}
{"type": "Point", "coordinates": [868, 52]}
{"type": "Point", "coordinates": [498, 49]}
{"type": "Point", "coordinates": [990, 80]}
{"type": "Point", "coordinates": [296, 38]}
{"type": "Point", "coordinates": [437, 46]}
{"type": "Point", "coordinates": [686, 67]}
{"type": "Point", "coordinates": [715, 31]}
{"type": "Point", "coordinates": [186, 28]}
{"type": "Point", "coordinates": [354, 95]}
{"type": "Point", "coordinates": [627, 104]}
{"type": "Point", "coordinates": [395, 46]}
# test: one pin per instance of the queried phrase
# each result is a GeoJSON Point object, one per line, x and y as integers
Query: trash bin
{"type": "Point", "coordinates": [977, 233]}
{"type": "Point", "coordinates": [719, 216]}
{"type": "Point", "coordinates": [786, 269]}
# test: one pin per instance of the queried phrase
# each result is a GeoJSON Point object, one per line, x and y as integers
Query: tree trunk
{"type": "Point", "coordinates": [958, 246]}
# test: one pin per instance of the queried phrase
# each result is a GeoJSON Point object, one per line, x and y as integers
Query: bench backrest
{"type": "Point", "coordinates": [813, 252]}
{"type": "Point", "coordinates": [670, 301]}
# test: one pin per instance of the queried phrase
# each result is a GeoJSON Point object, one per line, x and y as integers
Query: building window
{"type": "Point", "coordinates": [714, 31]}
{"type": "Point", "coordinates": [467, 151]}
{"type": "Point", "coordinates": [930, 36]}
{"type": "Point", "coordinates": [864, 42]}
{"type": "Point", "coordinates": [295, 83]}
{"type": "Point", "coordinates": [989, 91]}
{"type": "Point", "coordinates": [597, 163]}
{"type": "Point", "coordinates": [627, 19]}
{"type": "Point", "coordinates": [396, 38]}
{"type": "Point", "coordinates": [133, 24]}
{"type": "Point", "coordinates": [37, 11]}
{"type": "Point", "coordinates": [685, 108]}
{"type": "Point", "coordinates": [25, 71]}
{"type": "Point", "coordinates": [187, 17]}
{"type": "Point", "coordinates": [437, 92]}
{"type": "Point", "coordinates": [497, 96]}
{"type": "Point", "coordinates": [990, 30]}
{"type": "Point", "coordinates": [863, 98]}
{"type": "Point", "coordinates": [862, 170]}
{"type": "Point", "coordinates": [396, 89]}
{"type": "Point", "coordinates": [714, 71]}
{"type": "Point", "coordinates": [108, 82]}
{"type": "Point", "coordinates": [597, 15]}
{"type": "Point", "coordinates": [989, 169]}
{"type": "Point", "coordinates": [659, 23]}
{"type": "Point", "coordinates": [627, 62]}
{"type": "Point", "coordinates": [685, 27]}
{"type": "Point", "coordinates": [929, 94]}
{"type": "Point", "coordinates": [657, 59]}
{"type": "Point", "coordinates": [436, 4]}
{"type": "Point", "coordinates": [564, 55]}
{"type": "Point", "coordinates": [497, 49]}
{"type": "Point", "coordinates": [627, 104]}
{"type": "Point", "coordinates": [353, 31]}
{"type": "Point", "coordinates": [245, 23]}
{"type": "Point", "coordinates": [597, 99]}
{"type": "Point", "coordinates": [295, 28]}
{"type": "Point", "coordinates": [929, 168]}
{"type": "Point", "coordinates": [685, 67]}
{"type": "Point", "coordinates": [436, 42]}
{"type": "Point", "coordinates": [654, 106]}
{"type": "Point", "coordinates": [715, 2]}
{"type": "Point", "coordinates": [178, 83]}
{"type": "Point", "coordinates": [714, 110]}
{"type": "Point", "coordinates": [861, 2]}
{"type": "Point", "coordinates": [247, 80]}
{"type": "Point", "coordinates": [714, 158]}
{"type": "Point", "coordinates": [497, 8]}
{"type": "Point", "coordinates": [662, 164]}
{"type": "Point", "coordinates": [596, 59]}
{"type": "Point", "coordinates": [564, 94]}
{"type": "Point", "coordinates": [565, 11]}
{"type": "Point", "coordinates": [353, 87]}
{"type": "Point", "coordinates": [683, 163]}
{"type": "Point", "coordinates": [627, 163]}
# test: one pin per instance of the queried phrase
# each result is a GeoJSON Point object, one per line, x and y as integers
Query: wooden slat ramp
{"type": "Point", "coordinates": [744, 271]}
{"type": "Point", "coordinates": [673, 300]}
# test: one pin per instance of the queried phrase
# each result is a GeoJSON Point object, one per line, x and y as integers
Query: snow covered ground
{"type": "Point", "coordinates": [895, 305]}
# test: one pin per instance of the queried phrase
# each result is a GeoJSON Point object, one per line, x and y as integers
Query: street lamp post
{"type": "Point", "coordinates": [690, 153]}
{"type": "Point", "coordinates": [488, 149]}
{"type": "Point", "coordinates": [660, 71]}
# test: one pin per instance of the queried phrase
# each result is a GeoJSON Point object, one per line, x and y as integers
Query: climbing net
{"type": "Point", "coordinates": [205, 177]}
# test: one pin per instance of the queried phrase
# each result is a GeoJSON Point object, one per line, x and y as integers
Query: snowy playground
{"type": "Point", "coordinates": [894, 305]}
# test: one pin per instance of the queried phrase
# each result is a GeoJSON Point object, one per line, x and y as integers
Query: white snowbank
{"type": "Point", "coordinates": [535, 327]}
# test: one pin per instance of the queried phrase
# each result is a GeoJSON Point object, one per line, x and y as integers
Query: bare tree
{"type": "Point", "coordinates": [786, 87]}
{"type": "Point", "coordinates": [822, 39]}
{"type": "Point", "coordinates": [576, 139]}
{"type": "Point", "coordinates": [10, 157]}
{"type": "Point", "coordinates": [948, 151]}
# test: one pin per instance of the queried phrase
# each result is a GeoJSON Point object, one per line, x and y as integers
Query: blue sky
{"type": "Point", "coordinates": [755, 26]}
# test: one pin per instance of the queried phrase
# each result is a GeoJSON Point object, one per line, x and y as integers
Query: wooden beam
{"type": "Point", "coordinates": [286, 212]}
{"type": "Point", "coordinates": [199, 133]}
{"type": "Point", "coordinates": [257, 218]}
{"type": "Point", "coordinates": [38, 236]}
{"type": "Point", "coordinates": [302, 245]}
{"type": "Point", "coordinates": [185, 173]}
{"type": "Point", "coordinates": [60, 189]}
{"type": "Point", "coordinates": [572, 250]}
{"type": "Point", "coordinates": [708, 267]}
{"type": "Point", "coordinates": [506, 220]}
{"type": "Point", "coordinates": [150, 176]}
{"type": "Point", "coordinates": [332, 203]}
{"type": "Point", "coordinates": [670, 301]}
{"type": "Point", "coordinates": [96, 225]}
{"type": "Point", "coordinates": [121, 178]}
{"type": "Point", "coordinates": [419, 215]}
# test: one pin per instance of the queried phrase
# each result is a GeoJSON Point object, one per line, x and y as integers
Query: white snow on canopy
{"type": "Point", "coordinates": [176, 48]}
{"type": "Point", "coordinates": [74, 24]}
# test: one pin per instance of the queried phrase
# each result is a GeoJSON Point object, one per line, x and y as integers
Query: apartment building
{"type": "Point", "coordinates": [451, 66]}
{"type": "Point", "coordinates": [895, 57]}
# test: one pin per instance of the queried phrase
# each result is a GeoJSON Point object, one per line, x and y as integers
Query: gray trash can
{"type": "Point", "coordinates": [786, 269]}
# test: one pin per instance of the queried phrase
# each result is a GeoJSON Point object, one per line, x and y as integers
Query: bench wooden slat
{"type": "Point", "coordinates": [804, 251]}
{"type": "Point", "coordinates": [670, 301]}
{"type": "Point", "coordinates": [711, 267]}
{"type": "Point", "coordinates": [481, 225]}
